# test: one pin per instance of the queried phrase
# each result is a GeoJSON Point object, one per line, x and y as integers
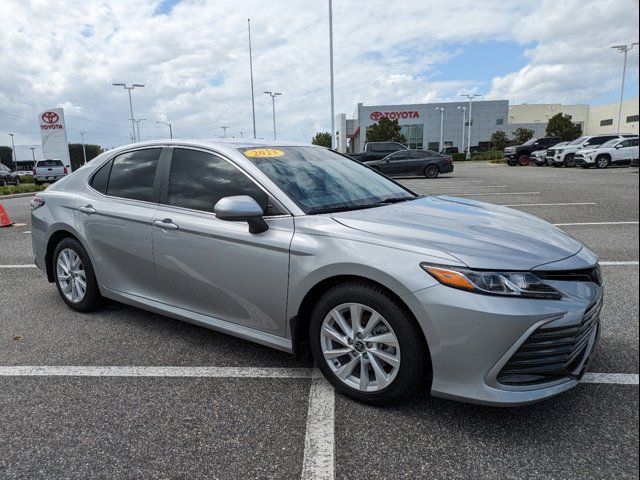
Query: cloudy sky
{"type": "Point", "coordinates": [192, 56]}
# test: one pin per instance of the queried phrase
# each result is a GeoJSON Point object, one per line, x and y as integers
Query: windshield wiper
{"type": "Point", "coordinates": [340, 208]}
{"type": "Point", "coordinates": [395, 200]}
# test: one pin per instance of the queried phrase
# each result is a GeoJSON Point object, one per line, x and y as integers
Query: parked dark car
{"type": "Point", "coordinates": [449, 150]}
{"type": "Point", "coordinates": [7, 176]}
{"type": "Point", "coordinates": [377, 151]}
{"type": "Point", "coordinates": [521, 154]}
{"type": "Point", "coordinates": [414, 162]}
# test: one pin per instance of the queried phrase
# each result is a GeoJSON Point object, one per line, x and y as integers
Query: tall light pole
{"type": "Point", "coordinates": [273, 96]}
{"type": "Point", "coordinates": [623, 49]}
{"type": "Point", "coordinates": [464, 121]}
{"type": "Point", "coordinates": [84, 151]}
{"type": "Point", "coordinates": [170, 129]}
{"type": "Point", "coordinates": [253, 98]}
{"type": "Point", "coordinates": [33, 154]}
{"type": "Point", "coordinates": [128, 89]}
{"type": "Point", "coordinates": [137, 124]}
{"type": "Point", "coordinates": [13, 151]}
{"type": "Point", "coordinates": [333, 112]}
{"type": "Point", "coordinates": [441, 110]}
{"type": "Point", "coordinates": [470, 97]}
{"type": "Point", "coordinates": [224, 129]}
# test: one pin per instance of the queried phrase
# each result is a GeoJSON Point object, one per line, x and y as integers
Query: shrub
{"type": "Point", "coordinates": [22, 188]}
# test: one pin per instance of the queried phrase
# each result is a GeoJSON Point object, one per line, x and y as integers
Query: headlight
{"type": "Point", "coordinates": [512, 284]}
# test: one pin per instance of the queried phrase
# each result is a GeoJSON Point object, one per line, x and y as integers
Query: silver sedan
{"type": "Point", "coordinates": [307, 251]}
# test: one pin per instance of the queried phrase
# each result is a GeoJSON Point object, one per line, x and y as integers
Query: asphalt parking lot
{"type": "Point", "coordinates": [253, 412]}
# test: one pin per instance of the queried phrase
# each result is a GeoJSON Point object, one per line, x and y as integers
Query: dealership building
{"type": "Point", "coordinates": [420, 123]}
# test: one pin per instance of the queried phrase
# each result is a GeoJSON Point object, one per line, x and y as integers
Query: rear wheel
{"type": "Point", "coordinates": [524, 160]}
{"type": "Point", "coordinates": [367, 345]}
{"type": "Point", "coordinates": [3, 182]}
{"type": "Point", "coordinates": [431, 171]}
{"type": "Point", "coordinates": [74, 276]}
{"type": "Point", "coordinates": [603, 161]}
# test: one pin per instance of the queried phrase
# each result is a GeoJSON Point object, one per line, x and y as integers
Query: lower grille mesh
{"type": "Point", "coordinates": [552, 352]}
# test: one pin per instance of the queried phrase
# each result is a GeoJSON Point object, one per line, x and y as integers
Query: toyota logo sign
{"type": "Point", "coordinates": [50, 117]}
{"type": "Point", "coordinates": [375, 116]}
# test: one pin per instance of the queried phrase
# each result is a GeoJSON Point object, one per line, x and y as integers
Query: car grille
{"type": "Point", "coordinates": [593, 274]}
{"type": "Point", "coordinates": [551, 152]}
{"type": "Point", "coordinates": [551, 353]}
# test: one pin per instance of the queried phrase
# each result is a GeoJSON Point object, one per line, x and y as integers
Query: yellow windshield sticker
{"type": "Point", "coordinates": [263, 152]}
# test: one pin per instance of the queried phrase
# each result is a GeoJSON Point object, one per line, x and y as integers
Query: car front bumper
{"type": "Point", "coordinates": [473, 339]}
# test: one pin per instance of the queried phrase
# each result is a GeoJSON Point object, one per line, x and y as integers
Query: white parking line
{"type": "Point", "coordinates": [470, 186]}
{"type": "Point", "coordinates": [27, 265]}
{"type": "Point", "coordinates": [613, 264]}
{"type": "Point", "coordinates": [593, 223]}
{"type": "Point", "coordinates": [493, 193]}
{"type": "Point", "coordinates": [612, 378]}
{"type": "Point", "coordinates": [318, 461]}
{"type": "Point", "coordinates": [102, 371]}
{"type": "Point", "coordinates": [549, 204]}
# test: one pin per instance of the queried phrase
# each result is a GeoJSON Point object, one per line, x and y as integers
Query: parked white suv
{"type": "Point", "coordinates": [619, 151]}
{"type": "Point", "coordinates": [565, 156]}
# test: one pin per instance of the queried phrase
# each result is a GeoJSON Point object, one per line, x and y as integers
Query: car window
{"type": "Point", "coordinates": [319, 180]}
{"type": "Point", "coordinates": [3, 168]}
{"type": "Point", "coordinates": [610, 143]}
{"type": "Point", "coordinates": [601, 140]}
{"type": "Point", "coordinates": [133, 173]}
{"type": "Point", "coordinates": [100, 179]}
{"type": "Point", "coordinates": [197, 180]}
{"type": "Point", "coordinates": [578, 141]}
{"type": "Point", "coordinates": [50, 163]}
{"type": "Point", "coordinates": [398, 156]}
{"type": "Point", "coordinates": [634, 142]}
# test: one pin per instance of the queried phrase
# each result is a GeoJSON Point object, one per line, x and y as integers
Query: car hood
{"type": "Point", "coordinates": [481, 235]}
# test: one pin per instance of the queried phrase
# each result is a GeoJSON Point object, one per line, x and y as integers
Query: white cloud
{"type": "Point", "coordinates": [194, 61]}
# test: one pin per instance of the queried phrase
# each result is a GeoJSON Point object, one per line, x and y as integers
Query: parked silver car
{"type": "Point", "coordinates": [300, 248]}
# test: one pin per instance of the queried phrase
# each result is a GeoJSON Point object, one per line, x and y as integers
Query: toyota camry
{"type": "Point", "coordinates": [307, 251]}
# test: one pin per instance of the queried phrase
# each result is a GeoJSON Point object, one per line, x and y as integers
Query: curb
{"type": "Point", "coordinates": [18, 195]}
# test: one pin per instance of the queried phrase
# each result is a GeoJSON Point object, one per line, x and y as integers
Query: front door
{"type": "Point", "coordinates": [215, 267]}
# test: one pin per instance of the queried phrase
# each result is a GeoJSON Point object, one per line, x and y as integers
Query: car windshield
{"type": "Point", "coordinates": [578, 141]}
{"type": "Point", "coordinates": [322, 181]}
{"type": "Point", "coordinates": [529, 142]}
{"type": "Point", "coordinates": [610, 143]}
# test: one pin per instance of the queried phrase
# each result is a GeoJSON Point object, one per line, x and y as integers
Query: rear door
{"type": "Point", "coordinates": [114, 216]}
{"type": "Point", "coordinates": [397, 163]}
{"type": "Point", "coordinates": [214, 267]}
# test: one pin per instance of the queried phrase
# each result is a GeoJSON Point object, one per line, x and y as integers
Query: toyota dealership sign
{"type": "Point", "coordinates": [401, 115]}
{"type": "Point", "coordinates": [55, 144]}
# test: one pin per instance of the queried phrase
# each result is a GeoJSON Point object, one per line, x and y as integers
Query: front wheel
{"type": "Point", "coordinates": [602, 161]}
{"type": "Point", "coordinates": [431, 171]}
{"type": "Point", "coordinates": [74, 276]}
{"type": "Point", "coordinates": [569, 161]}
{"type": "Point", "coordinates": [512, 162]}
{"type": "Point", "coordinates": [367, 345]}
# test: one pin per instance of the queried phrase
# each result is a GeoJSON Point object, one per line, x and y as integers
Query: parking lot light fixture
{"type": "Point", "coordinates": [441, 110]}
{"type": "Point", "coordinates": [273, 96]}
{"type": "Point", "coordinates": [464, 121]}
{"type": "Point", "coordinates": [470, 97]}
{"type": "Point", "coordinates": [84, 151]}
{"type": "Point", "coordinates": [13, 151]}
{"type": "Point", "coordinates": [168, 125]}
{"type": "Point", "coordinates": [128, 89]}
{"type": "Point", "coordinates": [623, 49]}
{"type": "Point", "coordinates": [224, 130]}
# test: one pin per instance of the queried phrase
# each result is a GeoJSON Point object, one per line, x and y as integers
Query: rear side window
{"type": "Point", "coordinates": [50, 163]}
{"type": "Point", "coordinates": [634, 142]}
{"type": "Point", "coordinates": [133, 173]}
{"type": "Point", "coordinates": [197, 180]}
{"type": "Point", "coordinates": [100, 179]}
{"type": "Point", "coordinates": [600, 140]}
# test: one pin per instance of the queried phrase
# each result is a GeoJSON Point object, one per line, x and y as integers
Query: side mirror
{"type": "Point", "coordinates": [241, 208]}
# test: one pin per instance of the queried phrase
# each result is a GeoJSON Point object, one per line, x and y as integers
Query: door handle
{"type": "Point", "coordinates": [88, 209]}
{"type": "Point", "coordinates": [165, 224]}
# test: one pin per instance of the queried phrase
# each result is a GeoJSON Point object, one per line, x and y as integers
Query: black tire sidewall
{"type": "Point", "coordinates": [414, 363]}
{"type": "Point", "coordinates": [431, 168]}
{"type": "Point", "coordinates": [598, 164]}
{"type": "Point", "coordinates": [92, 295]}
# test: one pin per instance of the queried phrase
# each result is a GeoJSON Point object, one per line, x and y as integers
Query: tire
{"type": "Point", "coordinates": [603, 161]}
{"type": "Point", "coordinates": [524, 160]}
{"type": "Point", "coordinates": [411, 350]}
{"type": "Point", "coordinates": [512, 162]}
{"type": "Point", "coordinates": [569, 162]}
{"type": "Point", "coordinates": [17, 182]}
{"type": "Point", "coordinates": [91, 297]}
{"type": "Point", "coordinates": [431, 171]}
{"type": "Point", "coordinates": [3, 182]}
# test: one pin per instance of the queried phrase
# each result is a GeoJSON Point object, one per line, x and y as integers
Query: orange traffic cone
{"type": "Point", "coordinates": [5, 221]}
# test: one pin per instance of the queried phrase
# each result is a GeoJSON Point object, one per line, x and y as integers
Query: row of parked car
{"type": "Point", "coordinates": [598, 151]}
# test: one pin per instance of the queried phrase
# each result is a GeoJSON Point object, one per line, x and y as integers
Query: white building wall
{"type": "Point", "coordinates": [604, 118]}
{"type": "Point", "coordinates": [542, 112]}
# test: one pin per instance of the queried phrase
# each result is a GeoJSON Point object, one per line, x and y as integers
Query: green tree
{"type": "Point", "coordinates": [560, 125]}
{"type": "Point", "coordinates": [77, 158]}
{"type": "Point", "coordinates": [521, 135]}
{"type": "Point", "coordinates": [6, 156]}
{"type": "Point", "coordinates": [323, 139]}
{"type": "Point", "coordinates": [499, 140]}
{"type": "Point", "coordinates": [385, 131]}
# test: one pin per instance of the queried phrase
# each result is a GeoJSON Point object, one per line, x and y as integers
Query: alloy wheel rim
{"type": "Point", "coordinates": [72, 277]}
{"type": "Point", "coordinates": [360, 347]}
{"type": "Point", "coordinates": [602, 162]}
